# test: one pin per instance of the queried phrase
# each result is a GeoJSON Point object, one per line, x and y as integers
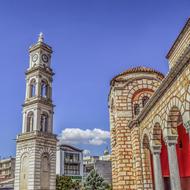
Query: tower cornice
{"type": "Point", "coordinates": [40, 45]}
{"type": "Point", "coordinates": [44, 101]}
{"type": "Point", "coordinates": [46, 70]}
{"type": "Point", "coordinates": [36, 135]}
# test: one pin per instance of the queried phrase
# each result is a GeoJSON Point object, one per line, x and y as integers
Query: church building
{"type": "Point", "coordinates": [150, 123]}
{"type": "Point", "coordinates": [36, 145]}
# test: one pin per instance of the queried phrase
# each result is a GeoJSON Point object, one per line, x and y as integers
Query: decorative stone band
{"type": "Point", "coordinates": [36, 134]}
{"type": "Point", "coordinates": [171, 140]}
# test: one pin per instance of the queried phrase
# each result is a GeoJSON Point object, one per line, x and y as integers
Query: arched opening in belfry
{"type": "Point", "coordinates": [30, 122]}
{"type": "Point", "coordinates": [44, 172]}
{"type": "Point", "coordinates": [44, 89]}
{"type": "Point", "coordinates": [176, 127]}
{"type": "Point", "coordinates": [33, 88]}
{"type": "Point", "coordinates": [24, 172]}
{"type": "Point", "coordinates": [147, 164]}
{"type": "Point", "coordinates": [44, 122]}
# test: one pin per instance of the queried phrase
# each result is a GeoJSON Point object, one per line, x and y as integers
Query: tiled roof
{"type": "Point", "coordinates": [139, 70]}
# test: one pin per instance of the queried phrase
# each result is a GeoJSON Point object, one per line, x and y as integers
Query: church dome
{"type": "Point", "coordinates": [136, 70]}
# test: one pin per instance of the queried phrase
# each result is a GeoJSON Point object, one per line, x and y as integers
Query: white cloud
{"type": "Point", "coordinates": [79, 136]}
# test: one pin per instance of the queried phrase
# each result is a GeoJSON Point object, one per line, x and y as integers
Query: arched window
{"type": "Point", "coordinates": [33, 88]}
{"type": "Point", "coordinates": [44, 122]}
{"type": "Point", "coordinates": [30, 122]}
{"type": "Point", "coordinates": [144, 100]}
{"type": "Point", "coordinates": [136, 109]}
{"type": "Point", "coordinates": [44, 89]}
{"type": "Point", "coordinates": [45, 167]}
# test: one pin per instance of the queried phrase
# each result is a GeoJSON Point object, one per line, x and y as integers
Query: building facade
{"type": "Point", "coordinates": [102, 164]}
{"type": "Point", "coordinates": [36, 145]}
{"type": "Point", "coordinates": [7, 172]}
{"type": "Point", "coordinates": [69, 162]}
{"type": "Point", "coordinates": [150, 124]}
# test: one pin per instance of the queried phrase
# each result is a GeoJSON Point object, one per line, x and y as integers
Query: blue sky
{"type": "Point", "coordinates": [93, 40]}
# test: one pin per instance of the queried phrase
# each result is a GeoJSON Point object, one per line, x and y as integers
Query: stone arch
{"type": "Point", "coordinates": [174, 113]}
{"type": "Point", "coordinates": [137, 99]}
{"type": "Point", "coordinates": [157, 119]}
{"type": "Point", "coordinates": [50, 152]}
{"type": "Point", "coordinates": [24, 171]}
{"type": "Point", "coordinates": [175, 102]}
{"type": "Point", "coordinates": [173, 119]}
{"type": "Point", "coordinates": [156, 128]}
{"type": "Point", "coordinates": [30, 80]}
{"type": "Point", "coordinates": [145, 133]}
{"type": "Point", "coordinates": [186, 114]}
{"type": "Point", "coordinates": [138, 84]}
{"type": "Point", "coordinates": [146, 161]}
{"type": "Point", "coordinates": [156, 134]}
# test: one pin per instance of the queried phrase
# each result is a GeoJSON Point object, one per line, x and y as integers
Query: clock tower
{"type": "Point", "coordinates": [36, 145]}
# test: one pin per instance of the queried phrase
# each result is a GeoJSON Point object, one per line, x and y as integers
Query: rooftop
{"type": "Point", "coordinates": [139, 69]}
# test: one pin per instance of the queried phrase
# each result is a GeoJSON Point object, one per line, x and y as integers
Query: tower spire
{"type": "Point", "coordinates": [41, 37]}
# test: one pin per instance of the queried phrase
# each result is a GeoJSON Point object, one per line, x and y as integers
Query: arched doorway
{"type": "Point", "coordinates": [45, 172]}
{"type": "Point", "coordinates": [24, 172]}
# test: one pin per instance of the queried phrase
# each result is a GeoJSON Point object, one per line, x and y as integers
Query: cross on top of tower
{"type": "Point", "coordinates": [41, 37]}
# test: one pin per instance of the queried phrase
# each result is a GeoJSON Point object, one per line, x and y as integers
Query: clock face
{"type": "Point", "coordinates": [35, 57]}
{"type": "Point", "coordinates": [45, 58]}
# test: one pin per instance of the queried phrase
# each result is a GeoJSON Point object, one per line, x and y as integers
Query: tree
{"type": "Point", "coordinates": [64, 183]}
{"type": "Point", "coordinates": [95, 182]}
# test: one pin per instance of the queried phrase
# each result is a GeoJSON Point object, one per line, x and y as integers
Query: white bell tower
{"type": "Point", "coordinates": [36, 145]}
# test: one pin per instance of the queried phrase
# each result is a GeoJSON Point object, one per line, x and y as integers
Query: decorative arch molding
{"type": "Point", "coordinates": [141, 92]}
{"type": "Point", "coordinates": [156, 128]}
{"type": "Point", "coordinates": [30, 80]}
{"type": "Point", "coordinates": [47, 151]}
{"type": "Point", "coordinates": [158, 119]}
{"type": "Point", "coordinates": [137, 86]}
{"type": "Point", "coordinates": [185, 114]}
{"type": "Point", "coordinates": [145, 133]}
{"type": "Point", "coordinates": [174, 102]}
{"type": "Point", "coordinates": [27, 150]}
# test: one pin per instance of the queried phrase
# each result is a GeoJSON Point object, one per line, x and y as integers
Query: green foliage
{"type": "Point", "coordinates": [66, 183]}
{"type": "Point", "coordinates": [95, 182]}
